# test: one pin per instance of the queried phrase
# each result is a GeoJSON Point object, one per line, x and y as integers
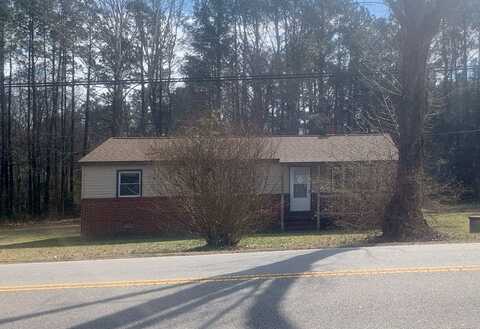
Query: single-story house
{"type": "Point", "coordinates": [119, 191]}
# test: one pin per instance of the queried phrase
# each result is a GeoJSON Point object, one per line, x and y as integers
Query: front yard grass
{"type": "Point", "coordinates": [62, 241]}
{"type": "Point", "coordinates": [454, 224]}
{"type": "Point", "coordinates": [55, 242]}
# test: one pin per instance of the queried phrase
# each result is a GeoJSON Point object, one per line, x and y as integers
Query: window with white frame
{"type": "Point", "coordinates": [129, 183]}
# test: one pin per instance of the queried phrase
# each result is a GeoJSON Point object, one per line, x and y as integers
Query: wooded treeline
{"type": "Point", "coordinates": [74, 72]}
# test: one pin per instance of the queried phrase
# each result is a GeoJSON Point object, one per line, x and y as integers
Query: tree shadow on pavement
{"type": "Point", "coordinates": [213, 300]}
{"type": "Point", "coordinates": [82, 305]}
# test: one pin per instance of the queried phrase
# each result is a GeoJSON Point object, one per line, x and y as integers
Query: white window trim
{"type": "Point", "coordinates": [119, 176]}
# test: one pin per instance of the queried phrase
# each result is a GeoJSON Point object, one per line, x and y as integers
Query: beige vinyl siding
{"type": "Point", "coordinates": [280, 178]}
{"type": "Point", "coordinates": [100, 181]}
{"type": "Point", "coordinates": [269, 178]}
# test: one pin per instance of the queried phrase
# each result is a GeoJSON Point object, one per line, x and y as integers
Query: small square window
{"type": "Point", "coordinates": [299, 191]}
{"type": "Point", "coordinates": [129, 184]}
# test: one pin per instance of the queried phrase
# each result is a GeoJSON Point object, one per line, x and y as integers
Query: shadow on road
{"type": "Point", "coordinates": [263, 296]}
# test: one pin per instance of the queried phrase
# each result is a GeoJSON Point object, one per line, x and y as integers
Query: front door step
{"type": "Point", "coordinates": [300, 226]}
{"type": "Point", "coordinates": [302, 215]}
{"type": "Point", "coordinates": [300, 221]}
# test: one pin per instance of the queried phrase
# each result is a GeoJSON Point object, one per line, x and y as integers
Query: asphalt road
{"type": "Point", "coordinates": [419, 286]}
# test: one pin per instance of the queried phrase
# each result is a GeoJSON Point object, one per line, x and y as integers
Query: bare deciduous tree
{"type": "Point", "coordinates": [218, 181]}
{"type": "Point", "coordinates": [360, 194]}
{"type": "Point", "coordinates": [116, 54]}
{"type": "Point", "coordinates": [419, 23]}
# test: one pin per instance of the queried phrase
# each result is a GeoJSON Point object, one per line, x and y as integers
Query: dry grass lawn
{"type": "Point", "coordinates": [62, 241]}
{"type": "Point", "coordinates": [454, 223]}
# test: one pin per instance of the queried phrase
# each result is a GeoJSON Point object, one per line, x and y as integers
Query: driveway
{"type": "Point", "coordinates": [415, 286]}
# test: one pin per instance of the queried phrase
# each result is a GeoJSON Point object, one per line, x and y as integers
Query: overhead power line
{"type": "Point", "coordinates": [175, 80]}
{"type": "Point", "coordinates": [458, 132]}
{"type": "Point", "coordinates": [226, 78]}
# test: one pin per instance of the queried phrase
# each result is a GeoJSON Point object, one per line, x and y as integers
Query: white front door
{"type": "Point", "coordinates": [300, 189]}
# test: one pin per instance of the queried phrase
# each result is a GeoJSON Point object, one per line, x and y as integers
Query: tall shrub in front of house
{"type": "Point", "coordinates": [359, 194]}
{"type": "Point", "coordinates": [217, 176]}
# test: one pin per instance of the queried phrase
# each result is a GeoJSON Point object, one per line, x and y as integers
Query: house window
{"type": "Point", "coordinates": [300, 191]}
{"type": "Point", "coordinates": [129, 184]}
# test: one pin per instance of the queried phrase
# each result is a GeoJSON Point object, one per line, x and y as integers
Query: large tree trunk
{"type": "Point", "coordinates": [63, 145]}
{"type": "Point", "coordinates": [3, 127]}
{"type": "Point", "coordinates": [72, 134]}
{"type": "Point", "coordinates": [86, 130]}
{"type": "Point", "coordinates": [142, 94]}
{"type": "Point", "coordinates": [35, 126]}
{"type": "Point", "coordinates": [419, 22]}
{"type": "Point", "coordinates": [49, 112]}
{"type": "Point", "coordinates": [117, 107]}
{"type": "Point", "coordinates": [11, 186]}
{"type": "Point", "coordinates": [31, 160]}
{"type": "Point", "coordinates": [57, 99]}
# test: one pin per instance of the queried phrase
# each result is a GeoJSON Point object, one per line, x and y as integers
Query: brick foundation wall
{"type": "Point", "coordinates": [133, 216]}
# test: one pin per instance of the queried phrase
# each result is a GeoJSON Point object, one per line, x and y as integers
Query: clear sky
{"type": "Point", "coordinates": [376, 7]}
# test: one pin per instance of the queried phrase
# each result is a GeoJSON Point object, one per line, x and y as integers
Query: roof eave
{"type": "Point", "coordinates": [113, 162]}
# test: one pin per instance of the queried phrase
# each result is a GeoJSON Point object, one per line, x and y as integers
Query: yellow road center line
{"type": "Point", "coordinates": [230, 278]}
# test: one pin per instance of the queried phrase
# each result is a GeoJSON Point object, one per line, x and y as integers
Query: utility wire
{"type": "Point", "coordinates": [174, 80]}
{"type": "Point", "coordinates": [458, 132]}
{"type": "Point", "coordinates": [226, 78]}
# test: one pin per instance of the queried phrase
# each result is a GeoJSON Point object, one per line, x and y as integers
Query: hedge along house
{"type": "Point", "coordinates": [312, 177]}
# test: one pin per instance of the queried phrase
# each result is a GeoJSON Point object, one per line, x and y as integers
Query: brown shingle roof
{"type": "Point", "coordinates": [297, 149]}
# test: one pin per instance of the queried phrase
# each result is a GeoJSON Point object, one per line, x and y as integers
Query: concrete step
{"type": "Point", "coordinates": [300, 225]}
